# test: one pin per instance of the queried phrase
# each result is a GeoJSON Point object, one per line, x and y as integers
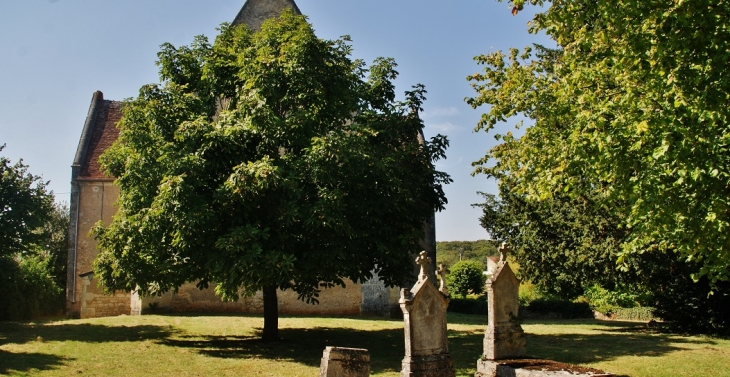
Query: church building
{"type": "Point", "coordinates": [94, 196]}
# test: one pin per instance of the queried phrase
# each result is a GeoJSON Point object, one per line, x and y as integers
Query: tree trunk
{"type": "Point", "coordinates": [271, 314]}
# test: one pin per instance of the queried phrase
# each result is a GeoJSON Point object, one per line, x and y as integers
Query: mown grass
{"type": "Point", "coordinates": [229, 346]}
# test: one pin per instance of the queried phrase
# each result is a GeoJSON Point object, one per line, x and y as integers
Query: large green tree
{"type": "Point", "coordinates": [632, 104]}
{"type": "Point", "coordinates": [268, 160]}
{"type": "Point", "coordinates": [562, 244]}
{"type": "Point", "coordinates": [33, 244]}
{"type": "Point", "coordinates": [25, 206]}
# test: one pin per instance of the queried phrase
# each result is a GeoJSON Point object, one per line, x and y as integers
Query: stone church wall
{"type": "Point", "coordinates": [94, 201]}
{"type": "Point", "coordinates": [332, 301]}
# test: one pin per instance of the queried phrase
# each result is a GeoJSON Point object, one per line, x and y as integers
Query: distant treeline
{"type": "Point", "coordinates": [450, 252]}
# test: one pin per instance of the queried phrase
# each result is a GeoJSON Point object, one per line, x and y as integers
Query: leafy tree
{"type": "Point", "coordinates": [632, 103]}
{"type": "Point", "coordinates": [268, 160]}
{"type": "Point", "coordinates": [25, 205]}
{"type": "Point", "coordinates": [683, 304]}
{"type": "Point", "coordinates": [562, 244]}
{"type": "Point", "coordinates": [32, 245]}
{"type": "Point", "coordinates": [567, 247]}
{"type": "Point", "coordinates": [54, 246]}
{"type": "Point", "coordinates": [466, 277]}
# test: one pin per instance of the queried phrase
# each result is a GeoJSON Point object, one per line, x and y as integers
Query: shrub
{"type": "Point", "coordinates": [28, 289]}
{"type": "Point", "coordinates": [547, 307]}
{"type": "Point", "coordinates": [466, 277]}
{"type": "Point", "coordinates": [469, 305]}
{"type": "Point", "coordinates": [610, 301]}
{"type": "Point", "coordinates": [634, 314]}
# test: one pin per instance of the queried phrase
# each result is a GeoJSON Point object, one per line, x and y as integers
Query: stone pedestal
{"type": "Point", "coordinates": [428, 366]}
{"type": "Point", "coordinates": [345, 362]}
{"type": "Point", "coordinates": [424, 316]}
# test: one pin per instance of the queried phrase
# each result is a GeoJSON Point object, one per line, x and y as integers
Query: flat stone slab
{"type": "Point", "coordinates": [527, 367]}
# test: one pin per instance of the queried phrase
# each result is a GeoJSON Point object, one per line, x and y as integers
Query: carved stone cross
{"type": "Point", "coordinates": [441, 272]}
{"type": "Point", "coordinates": [423, 260]}
{"type": "Point", "coordinates": [503, 250]}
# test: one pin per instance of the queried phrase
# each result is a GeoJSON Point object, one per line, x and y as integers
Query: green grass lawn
{"type": "Point", "coordinates": [229, 346]}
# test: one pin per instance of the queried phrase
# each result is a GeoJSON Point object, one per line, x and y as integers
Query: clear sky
{"type": "Point", "coordinates": [55, 53]}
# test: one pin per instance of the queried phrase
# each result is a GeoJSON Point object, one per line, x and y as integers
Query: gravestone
{"type": "Point", "coordinates": [504, 341]}
{"type": "Point", "coordinates": [504, 338]}
{"type": "Point", "coordinates": [376, 297]}
{"type": "Point", "coordinates": [424, 316]}
{"type": "Point", "coordinates": [345, 362]}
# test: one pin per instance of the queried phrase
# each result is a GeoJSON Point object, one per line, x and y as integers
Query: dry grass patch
{"type": "Point", "coordinates": [229, 346]}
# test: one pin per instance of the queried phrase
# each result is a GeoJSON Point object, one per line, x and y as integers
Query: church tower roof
{"type": "Point", "coordinates": [255, 12]}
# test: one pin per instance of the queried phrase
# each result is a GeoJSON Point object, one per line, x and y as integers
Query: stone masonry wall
{"type": "Point", "coordinates": [332, 301]}
{"type": "Point", "coordinates": [96, 202]}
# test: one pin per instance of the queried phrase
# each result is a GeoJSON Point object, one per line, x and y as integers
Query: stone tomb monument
{"type": "Point", "coordinates": [504, 341]}
{"type": "Point", "coordinates": [424, 314]}
{"type": "Point", "coordinates": [504, 338]}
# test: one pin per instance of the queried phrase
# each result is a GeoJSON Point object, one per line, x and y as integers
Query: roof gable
{"type": "Point", "coordinates": [100, 132]}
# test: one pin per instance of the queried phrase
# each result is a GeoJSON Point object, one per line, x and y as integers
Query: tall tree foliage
{"type": "Point", "coordinates": [25, 205]}
{"type": "Point", "coordinates": [33, 244]}
{"type": "Point", "coordinates": [268, 160]}
{"type": "Point", "coordinates": [632, 103]}
{"type": "Point", "coordinates": [562, 244]}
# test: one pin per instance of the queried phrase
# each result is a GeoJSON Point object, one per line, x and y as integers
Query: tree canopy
{"type": "Point", "coordinates": [562, 244]}
{"type": "Point", "coordinates": [268, 160]}
{"type": "Point", "coordinates": [25, 205]}
{"type": "Point", "coordinates": [632, 105]}
{"type": "Point", "coordinates": [33, 244]}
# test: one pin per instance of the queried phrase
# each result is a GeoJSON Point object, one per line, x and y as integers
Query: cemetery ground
{"type": "Point", "coordinates": [188, 345]}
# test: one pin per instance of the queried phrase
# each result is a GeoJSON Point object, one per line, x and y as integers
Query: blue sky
{"type": "Point", "coordinates": [55, 53]}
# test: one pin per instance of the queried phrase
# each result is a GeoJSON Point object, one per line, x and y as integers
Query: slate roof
{"type": "Point", "coordinates": [100, 131]}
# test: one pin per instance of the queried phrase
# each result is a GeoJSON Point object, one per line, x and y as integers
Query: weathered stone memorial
{"type": "Point", "coordinates": [504, 338]}
{"type": "Point", "coordinates": [424, 315]}
{"type": "Point", "coordinates": [504, 341]}
{"type": "Point", "coordinates": [345, 362]}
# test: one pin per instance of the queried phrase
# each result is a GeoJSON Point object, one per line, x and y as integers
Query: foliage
{"type": "Point", "coordinates": [528, 292]}
{"type": "Point", "coordinates": [29, 290]}
{"type": "Point", "coordinates": [55, 242]}
{"type": "Point", "coordinates": [265, 160]}
{"type": "Point", "coordinates": [610, 301]}
{"type": "Point", "coordinates": [33, 245]}
{"type": "Point", "coordinates": [557, 308]}
{"type": "Point", "coordinates": [466, 277]}
{"type": "Point", "coordinates": [25, 205]}
{"type": "Point", "coordinates": [567, 247]}
{"type": "Point", "coordinates": [469, 305]}
{"type": "Point", "coordinates": [683, 304]}
{"type": "Point", "coordinates": [450, 252]}
{"type": "Point", "coordinates": [632, 103]}
{"type": "Point", "coordinates": [562, 244]}
{"type": "Point", "coordinates": [643, 313]}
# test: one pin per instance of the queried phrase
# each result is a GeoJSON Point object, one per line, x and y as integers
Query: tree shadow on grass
{"type": "Point", "coordinates": [20, 333]}
{"type": "Point", "coordinates": [302, 345]}
{"type": "Point", "coordinates": [591, 348]}
{"type": "Point", "coordinates": [21, 362]}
